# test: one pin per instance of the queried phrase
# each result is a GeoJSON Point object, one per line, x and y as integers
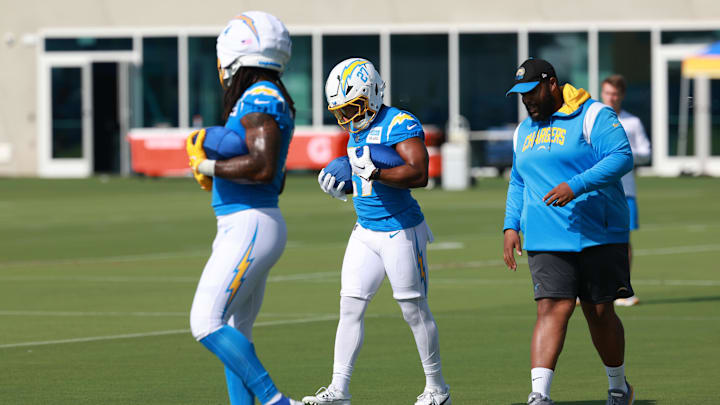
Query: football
{"type": "Point", "coordinates": [384, 157]}
{"type": "Point", "coordinates": [223, 143]}
{"type": "Point", "coordinates": [340, 169]}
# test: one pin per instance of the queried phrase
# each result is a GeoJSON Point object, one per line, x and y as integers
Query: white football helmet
{"type": "Point", "coordinates": [354, 92]}
{"type": "Point", "coordinates": [253, 38]}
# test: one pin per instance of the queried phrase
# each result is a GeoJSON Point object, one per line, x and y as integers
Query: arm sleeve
{"type": "Point", "coordinates": [641, 153]}
{"type": "Point", "coordinates": [613, 153]}
{"type": "Point", "coordinates": [514, 202]}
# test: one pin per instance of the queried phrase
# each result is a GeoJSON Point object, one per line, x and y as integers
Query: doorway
{"type": "Point", "coordinates": [83, 112]}
{"type": "Point", "coordinates": [683, 122]}
{"type": "Point", "coordinates": [106, 122]}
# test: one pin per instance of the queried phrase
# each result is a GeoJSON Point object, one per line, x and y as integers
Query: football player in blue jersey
{"type": "Point", "coordinates": [253, 50]}
{"type": "Point", "coordinates": [390, 235]}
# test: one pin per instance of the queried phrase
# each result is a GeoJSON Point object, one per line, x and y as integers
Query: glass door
{"type": "Point", "coordinates": [66, 142]}
{"type": "Point", "coordinates": [686, 114]}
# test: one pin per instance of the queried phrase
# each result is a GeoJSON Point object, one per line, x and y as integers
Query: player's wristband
{"type": "Point", "coordinates": [207, 167]}
{"type": "Point", "coordinates": [375, 174]}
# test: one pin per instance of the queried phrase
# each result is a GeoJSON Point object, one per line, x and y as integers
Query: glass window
{"type": "Point", "coordinates": [337, 48]}
{"type": "Point", "coordinates": [419, 77]}
{"type": "Point", "coordinates": [205, 91]}
{"type": "Point", "coordinates": [67, 119]}
{"type": "Point", "coordinates": [482, 92]}
{"type": "Point", "coordinates": [88, 44]}
{"type": "Point", "coordinates": [160, 82]}
{"type": "Point", "coordinates": [298, 78]}
{"type": "Point", "coordinates": [715, 117]}
{"type": "Point", "coordinates": [628, 54]}
{"type": "Point", "coordinates": [676, 144]}
{"type": "Point", "coordinates": [567, 52]}
{"type": "Point", "coordinates": [689, 37]}
{"type": "Point", "coordinates": [483, 84]}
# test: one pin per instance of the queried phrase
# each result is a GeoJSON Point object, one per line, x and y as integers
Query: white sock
{"type": "Point", "coordinates": [348, 341]}
{"type": "Point", "coordinates": [274, 399]}
{"type": "Point", "coordinates": [616, 378]}
{"type": "Point", "coordinates": [418, 316]}
{"type": "Point", "coordinates": [541, 380]}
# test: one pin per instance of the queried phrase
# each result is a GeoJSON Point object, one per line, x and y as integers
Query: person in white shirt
{"type": "Point", "coordinates": [613, 94]}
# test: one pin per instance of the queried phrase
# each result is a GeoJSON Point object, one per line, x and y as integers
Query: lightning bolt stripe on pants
{"type": "Point", "coordinates": [241, 271]}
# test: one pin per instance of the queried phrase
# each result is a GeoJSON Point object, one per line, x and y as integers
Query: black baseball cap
{"type": "Point", "coordinates": [529, 75]}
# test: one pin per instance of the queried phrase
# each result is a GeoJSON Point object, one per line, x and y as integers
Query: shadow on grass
{"type": "Point", "coordinates": [637, 402]}
{"type": "Point", "coordinates": [679, 300]}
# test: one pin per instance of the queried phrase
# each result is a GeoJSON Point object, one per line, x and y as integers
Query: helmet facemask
{"type": "Point", "coordinates": [355, 115]}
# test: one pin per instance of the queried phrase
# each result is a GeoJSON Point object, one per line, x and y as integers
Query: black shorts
{"type": "Point", "coordinates": [597, 274]}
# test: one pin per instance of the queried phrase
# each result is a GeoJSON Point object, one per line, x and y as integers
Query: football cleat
{"type": "Point", "coordinates": [537, 398]}
{"type": "Point", "coordinates": [618, 397]}
{"type": "Point", "coordinates": [327, 396]}
{"type": "Point", "coordinates": [627, 302]}
{"type": "Point", "coordinates": [432, 397]}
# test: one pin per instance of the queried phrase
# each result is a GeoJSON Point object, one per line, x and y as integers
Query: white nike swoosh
{"type": "Point", "coordinates": [262, 101]}
{"type": "Point", "coordinates": [411, 126]}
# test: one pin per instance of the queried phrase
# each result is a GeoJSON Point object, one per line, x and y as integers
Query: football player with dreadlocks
{"type": "Point", "coordinates": [253, 50]}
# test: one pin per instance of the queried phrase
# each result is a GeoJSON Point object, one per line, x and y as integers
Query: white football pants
{"type": "Point", "coordinates": [369, 256]}
{"type": "Point", "coordinates": [401, 255]}
{"type": "Point", "coordinates": [232, 285]}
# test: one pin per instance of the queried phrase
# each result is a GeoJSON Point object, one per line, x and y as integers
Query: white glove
{"type": "Point", "coordinates": [327, 184]}
{"type": "Point", "coordinates": [362, 166]}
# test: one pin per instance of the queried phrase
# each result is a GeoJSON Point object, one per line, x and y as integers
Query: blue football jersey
{"type": "Point", "coordinates": [230, 196]}
{"type": "Point", "coordinates": [380, 207]}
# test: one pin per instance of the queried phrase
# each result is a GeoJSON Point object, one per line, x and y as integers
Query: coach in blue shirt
{"type": "Point", "coordinates": [565, 196]}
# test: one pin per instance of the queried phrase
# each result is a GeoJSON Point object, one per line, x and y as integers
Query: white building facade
{"type": "Point", "coordinates": [78, 75]}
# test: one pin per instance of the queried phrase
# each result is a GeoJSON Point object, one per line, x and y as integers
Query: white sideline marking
{"type": "Point", "coordinates": [95, 338]}
{"type": "Point", "coordinates": [446, 245]}
{"type": "Point", "coordinates": [324, 275]}
{"type": "Point", "coordinates": [104, 279]}
{"type": "Point", "coordinates": [139, 314]}
{"type": "Point", "coordinates": [333, 276]}
{"type": "Point", "coordinates": [204, 253]}
{"type": "Point", "coordinates": [467, 265]}
{"type": "Point", "coordinates": [130, 279]}
{"type": "Point", "coordinates": [82, 313]}
{"type": "Point", "coordinates": [322, 318]}
{"type": "Point", "coordinates": [692, 283]}
{"type": "Point", "coordinates": [109, 259]}
{"type": "Point", "coordinates": [305, 276]}
{"type": "Point", "coordinates": [161, 333]}
{"type": "Point", "coordinates": [512, 281]}
{"type": "Point", "coordinates": [676, 250]}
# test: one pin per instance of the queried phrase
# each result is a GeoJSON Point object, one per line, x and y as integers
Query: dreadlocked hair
{"type": "Point", "coordinates": [246, 77]}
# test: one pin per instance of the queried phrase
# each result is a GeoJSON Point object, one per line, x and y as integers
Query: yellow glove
{"type": "Point", "coordinates": [196, 154]}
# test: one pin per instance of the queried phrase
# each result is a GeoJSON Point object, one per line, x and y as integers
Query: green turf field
{"type": "Point", "coordinates": [97, 278]}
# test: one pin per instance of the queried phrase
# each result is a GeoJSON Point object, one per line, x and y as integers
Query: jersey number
{"type": "Point", "coordinates": [361, 184]}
